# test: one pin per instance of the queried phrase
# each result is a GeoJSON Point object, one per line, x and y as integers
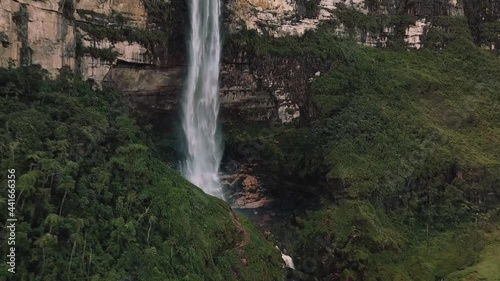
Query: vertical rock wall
{"type": "Point", "coordinates": [48, 32]}
{"type": "Point", "coordinates": [36, 32]}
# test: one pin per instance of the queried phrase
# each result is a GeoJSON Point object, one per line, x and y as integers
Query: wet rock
{"type": "Point", "coordinates": [244, 190]}
{"type": "Point", "coordinates": [250, 184]}
{"type": "Point", "coordinates": [250, 204]}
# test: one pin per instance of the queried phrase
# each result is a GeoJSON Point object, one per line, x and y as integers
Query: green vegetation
{"type": "Point", "coordinates": [311, 7]}
{"type": "Point", "coordinates": [165, 25]}
{"type": "Point", "coordinates": [376, 23]}
{"type": "Point", "coordinates": [323, 44]}
{"type": "Point", "coordinates": [170, 17]}
{"type": "Point", "coordinates": [404, 154]}
{"type": "Point", "coordinates": [93, 203]}
{"type": "Point", "coordinates": [68, 8]}
{"type": "Point", "coordinates": [21, 18]}
{"type": "Point", "coordinates": [445, 30]}
{"type": "Point", "coordinates": [125, 33]}
{"type": "Point", "coordinates": [488, 267]}
{"type": "Point", "coordinates": [108, 54]}
{"type": "Point", "coordinates": [483, 17]}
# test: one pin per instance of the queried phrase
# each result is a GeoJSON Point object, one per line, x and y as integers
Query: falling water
{"type": "Point", "coordinates": [200, 101]}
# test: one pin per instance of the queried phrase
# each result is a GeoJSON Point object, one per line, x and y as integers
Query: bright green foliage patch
{"type": "Point", "coordinates": [359, 241]}
{"type": "Point", "coordinates": [488, 267]}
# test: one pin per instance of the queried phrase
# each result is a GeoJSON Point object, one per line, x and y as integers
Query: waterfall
{"type": "Point", "coordinates": [200, 100]}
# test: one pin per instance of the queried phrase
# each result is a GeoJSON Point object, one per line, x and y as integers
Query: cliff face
{"type": "Point", "coordinates": [113, 42]}
{"type": "Point", "coordinates": [102, 41]}
{"type": "Point", "coordinates": [49, 33]}
{"type": "Point", "coordinates": [270, 88]}
{"type": "Point", "coordinates": [277, 89]}
{"type": "Point", "coordinates": [36, 32]}
{"type": "Point", "coordinates": [128, 45]}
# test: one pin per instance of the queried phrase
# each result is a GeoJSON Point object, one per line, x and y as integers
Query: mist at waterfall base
{"type": "Point", "coordinates": [200, 99]}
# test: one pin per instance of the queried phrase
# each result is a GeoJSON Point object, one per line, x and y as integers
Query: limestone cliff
{"type": "Point", "coordinates": [52, 32]}
{"type": "Point", "coordinates": [49, 33]}
{"type": "Point", "coordinates": [36, 32]}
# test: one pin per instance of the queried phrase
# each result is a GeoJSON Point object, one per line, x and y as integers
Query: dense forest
{"type": "Point", "coordinates": [94, 203]}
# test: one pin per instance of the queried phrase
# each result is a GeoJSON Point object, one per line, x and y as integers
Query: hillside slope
{"type": "Point", "coordinates": [94, 203]}
{"type": "Point", "coordinates": [401, 149]}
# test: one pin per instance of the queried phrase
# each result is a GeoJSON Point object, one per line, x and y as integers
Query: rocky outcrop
{"type": "Point", "coordinates": [294, 17]}
{"type": "Point", "coordinates": [283, 17]}
{"type": "Point", "coordinates": [97, 68]}
{"type": "Point", "coordinates": [256, 89]}
{"type": "Point", "coordinates": [244, 190]}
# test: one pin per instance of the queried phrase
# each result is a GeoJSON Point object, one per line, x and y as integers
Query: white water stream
{"type": "Point", "coordinates": [200, 100]}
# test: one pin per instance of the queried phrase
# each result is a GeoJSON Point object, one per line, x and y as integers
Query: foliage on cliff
{"type": "Point", "coordinates": [484, 18]}
{"type": "Point", "coordinates": [94, 203]}
{"type": "Point", "coordinates": [171, 17]}
{"type": "Point", "coordinates": [165, 29]}
{"type": "Point", "coordinates": [404, 154]}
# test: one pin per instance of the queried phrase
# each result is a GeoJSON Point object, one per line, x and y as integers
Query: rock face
{"type": "Point", "coordinates": [244, 191]}
{"type": "Point", "coordinates": [48, 33]}
{"type": "Point", "coordinates": [109, 41]}
{"type": "Point", "coordinates": [36, 32]}
{"type": "Point", "coordinates": [147, 88]}
{"type": "Point", "coordinates": [294, 17]}
{"type": "Point", "coordinates": [56, 33]}
{"type": "Point", "coordinates": [98, 68]}
{"type": "Point", "coordinates": [106, 41]}
{"type": "Point", "coordinates": [268, 89]}
{"type": "Point", "coordinates": [132, 10]}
